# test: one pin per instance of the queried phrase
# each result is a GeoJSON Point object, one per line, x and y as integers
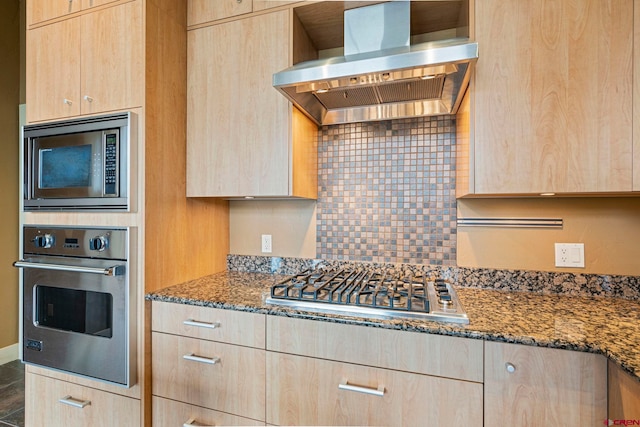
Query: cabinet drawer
{"type": "Point", "coordinates": [45, 405]}
{"type": "Point", "coordinates": [233, 327]}
{"type": "Point", "coordinates": [171, 413]}
{"type": "Point", "coordinates": [305, 391]}
{"type": "Point", "coordinates": [444, 356]}
{"type": "Point", "coordinates": [234, 383]}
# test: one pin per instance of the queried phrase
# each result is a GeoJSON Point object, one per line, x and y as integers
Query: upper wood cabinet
{"type": "Point", "coordinates": [200, 11]}
{"type": "Point", "coordinates": [551, 100]}
{"type": "Point", "coordinates": [636, 95]}
{"type": "Point", "coordinates": [43, 10]}
{"type": "Point", "coordinates": [243, 137]}
{"type": "Point", "coordinates": [94, 68]}
{"type": "Point", "coordinates": [534, 386]}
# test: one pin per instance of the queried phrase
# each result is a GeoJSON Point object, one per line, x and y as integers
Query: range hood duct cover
{"type": "Point", "coordinates": [381, 76]}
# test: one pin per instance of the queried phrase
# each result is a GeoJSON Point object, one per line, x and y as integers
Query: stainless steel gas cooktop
{"type": "Point", "coordinates": [370, 293]}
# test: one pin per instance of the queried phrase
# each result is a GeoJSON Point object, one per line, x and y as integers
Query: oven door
{"type": "Point", "coordinates": [75, 317]}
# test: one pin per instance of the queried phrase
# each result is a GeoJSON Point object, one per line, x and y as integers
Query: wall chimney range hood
{"type": "Point", "coordinates": [381, 76]}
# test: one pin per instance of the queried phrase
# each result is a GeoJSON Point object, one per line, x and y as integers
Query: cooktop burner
{"type": "Point", "coordinates": [370, 293]}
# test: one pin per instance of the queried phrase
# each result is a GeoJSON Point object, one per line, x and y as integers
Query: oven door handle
{"type": "Point", "coordinates": [116, 270]}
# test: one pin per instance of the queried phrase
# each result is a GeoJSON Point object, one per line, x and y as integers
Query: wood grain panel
{"type": "Point", "coordinates": [42, 406]}
{"type": "Point", "coordinates": [450, 357]}
{"type": "Point", "coordinates": [39, 11]}
{"type": "Point", "coordinates": [201, 11]}
{"type": "Point", "coordinates": [304, 164]}
{"type": "Point", "coordinates": [53, 74]}
{"type": "Point", "coordinates": [636, 95]}
{"type": "Point", "coordinates": [624, 394]}
{"type": "Point", "coordinates": [235, 384]}
{"type": "Point", "coordinates": [112, 59]}
{"type": "Point", "coordinates": [548, 387]}
{"type": "Point", "coordinates": [304, 391]}
{"type": "Point", "coordinates": [171, 413]}
{"type": "Point", "coordinates": [464, 148]}
{"type": "Point", "coordinates": [238, 125]}
{"type": "Point", "coordinates": [553, 96]}
{"type": "Point", "coordinates": [235, 327]}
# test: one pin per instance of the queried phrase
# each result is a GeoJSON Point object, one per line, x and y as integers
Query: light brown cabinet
{"type": "Point", "coordinates": [168, 412]}
{"type": "Point", "coordinates": [320, 373]}
{"type": "Point", "coordinates": [50, 402]}
{"type": "Point", "coordinates": [243, 137]}
{"type": "Point", "coordinates": [200, 11]}
{"type": "Point", "coordinates": [94, 68]}
{"type": "Point", "coordinates": [551, 98]}
{"type": "Point", "coordinates": [623, 394]}
{"type": "Point", "coordinates": [209, 370]}
{"type": "Point", "coordinates": [40, 11]}
{"type": "Point", "coordinates": [535, 386]}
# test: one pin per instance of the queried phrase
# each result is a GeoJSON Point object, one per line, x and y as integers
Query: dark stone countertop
{"type": "Point", "coordinates": [601, 325]}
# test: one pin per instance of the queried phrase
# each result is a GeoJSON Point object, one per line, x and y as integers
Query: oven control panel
{"type": "Point", "coordinates": [79, 242]}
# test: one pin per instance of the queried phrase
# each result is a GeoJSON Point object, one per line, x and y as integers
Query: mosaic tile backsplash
{"type": "Point", "coordinates": [387, 191]}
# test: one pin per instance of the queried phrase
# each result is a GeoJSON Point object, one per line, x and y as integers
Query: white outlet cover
{"type": "Point", "coordinates": [266, 244]}
{"type": "Point", "coordinates": [569, 255]}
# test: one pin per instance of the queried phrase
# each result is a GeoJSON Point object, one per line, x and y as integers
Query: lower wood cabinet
{"type": "Point", "coordinates": [308, 391]}
{"type": "Point", "coordinates": [50, 403]}
{"type": "Point", "coordinates": [535, 386]}
{"type": "Point", "coordinates": [624, 394]}
{"type": "Point", "coordinates": [210, 374]}
{"type": "Point", "coordinates": [167, 413]}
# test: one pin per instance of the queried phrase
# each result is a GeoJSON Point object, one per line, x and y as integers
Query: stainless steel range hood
{"type": "Point", "coordinates": [381, 76]}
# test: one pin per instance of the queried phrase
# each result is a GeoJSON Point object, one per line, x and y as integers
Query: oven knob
{"type": "Point", "coordinates": [99, 243]}
{"type": "Point", "coordinates": [44, 241]}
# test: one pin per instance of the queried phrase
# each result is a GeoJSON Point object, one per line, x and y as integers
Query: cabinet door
{"type": "Point", "coordinates": [40, 10]}
{"type": "Point", "coordinates": [87, 4]}
{"type": "Point", "coordinates": [171, 413]}
{"type": "Point", "coordinates": [199, 11]}
{"type": "Point", "coordinates": [238, 125]}
{"type": "Point", "coordinates": [552, 99]}
{"type": "Point", "coordinates": [308, 391]}
{"type": "Point", "coordinates": [112, 59]}
{"type": "Point", "coordinates": [52, 403]}
{"type": "Point", "coordinates": [534, 386]}
{"type": "Point", "coordinates": [53, 71]}
{"type": "Point", "coordinates": [214, 375]}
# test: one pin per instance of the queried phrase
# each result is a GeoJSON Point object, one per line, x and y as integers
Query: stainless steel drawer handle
{"type": "Point", "coordinates": [76, 403]}
{"type": "Point", "coordinates": [192, 422]}
{"type": "Point", "coordinates": [201, 359]}
{"type": "Point", "coordinates": [210, 325]}
{"type": "Point", "coordinates": [116, 270]}
{"type": "Point", "coordinates": [344, 385]}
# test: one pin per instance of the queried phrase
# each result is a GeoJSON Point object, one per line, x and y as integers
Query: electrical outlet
{"type": "Point", "coordinates": [570, 255]}
{"type": "Point", "coordinates": [266, 244]}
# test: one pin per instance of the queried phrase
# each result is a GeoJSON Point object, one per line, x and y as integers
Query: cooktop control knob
{"type": "Point", "coordinates": [44, 241]}
{"type": "Point", "coordinates": [99, 243]}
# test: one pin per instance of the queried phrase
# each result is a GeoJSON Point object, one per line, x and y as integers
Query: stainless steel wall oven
{"type": "Point", "coordinates": [78, 305]}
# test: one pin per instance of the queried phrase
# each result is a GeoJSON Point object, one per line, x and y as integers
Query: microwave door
{"type": "Point", "coordinates": [68, 166]}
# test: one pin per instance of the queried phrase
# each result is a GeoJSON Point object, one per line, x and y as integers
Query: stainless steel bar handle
{"type": "Point", "coordinates": [200, 324]}
{"type": "Point", "coordinates": [201, 359]}
{"type": "Point", "coordinates": [344, 385]}
{"type": "Point", "coordinates": [192, 422]}
{"type": "Point", "coordinates": [76, 403]}
{"type": "Point", "coordinates": [116, 270]}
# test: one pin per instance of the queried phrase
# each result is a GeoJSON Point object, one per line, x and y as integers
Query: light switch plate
{"type": "Point", "coordinates": [570, 255]}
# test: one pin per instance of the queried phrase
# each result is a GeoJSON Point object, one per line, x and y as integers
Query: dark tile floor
{"type": "Point", "coordinates": [12, 394]}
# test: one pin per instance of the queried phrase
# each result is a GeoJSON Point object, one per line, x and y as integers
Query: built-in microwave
{"type": "Point", "coordinates": [79, 164]}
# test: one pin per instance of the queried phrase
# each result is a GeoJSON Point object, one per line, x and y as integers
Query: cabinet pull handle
{"type": "Point", "coordinates": [88, 98]}
{"type": "Point", "coordinates": [76, 403]}
{"type": "Point", "coordinates": [510, 367]}
{"type": "Point", "coordinates": [192, 422]}
{"type": "Point", "coordinates": [210, 325]}
{"type": "Point", "coordinates": [67, 101]}
{"type": "Point", "coordinates": [344, 385]}
{"type": "Point", "coordinates": [201, 359]}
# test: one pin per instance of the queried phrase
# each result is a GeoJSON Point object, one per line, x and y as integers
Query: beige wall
{"type": "Point", "coordinates": [10, 90]}
{"type": "Point", "coordinates": [291, 223]}
{"type": "Point", "coordinates": [608, 227]}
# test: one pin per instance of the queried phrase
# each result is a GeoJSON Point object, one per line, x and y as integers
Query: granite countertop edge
{"type": "Point", "coordinates": [565, 322]}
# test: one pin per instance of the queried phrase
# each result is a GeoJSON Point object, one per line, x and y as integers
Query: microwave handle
{"type": "Point", "coordinates": [116, 270]}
